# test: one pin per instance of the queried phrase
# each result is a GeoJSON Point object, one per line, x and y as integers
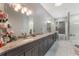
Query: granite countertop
{"type": "Point", "coordinates": [16, 43]}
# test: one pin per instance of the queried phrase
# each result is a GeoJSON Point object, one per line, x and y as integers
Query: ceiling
{"type": "Point", "coordinates": [61, 11]}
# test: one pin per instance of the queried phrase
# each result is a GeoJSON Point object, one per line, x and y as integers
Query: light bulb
{"type": "Point", "coordinates": [22, 11]}
{"type": "Point", "coordinates": [29, 12]}
{"type": "Point", "coordinates": [25, 9]}
{"type": "Point", "coordinates": [17, 7]}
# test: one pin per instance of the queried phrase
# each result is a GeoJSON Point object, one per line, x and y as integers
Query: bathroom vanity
{"type": "Point", "coordinates": [33, 46]}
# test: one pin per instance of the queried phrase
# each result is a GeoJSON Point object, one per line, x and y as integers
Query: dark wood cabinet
{"type": "Point", "coordinates": [35, 48]}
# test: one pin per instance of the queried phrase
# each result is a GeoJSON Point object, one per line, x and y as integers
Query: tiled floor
{"type": "Point", "coordinates": [62, 48]}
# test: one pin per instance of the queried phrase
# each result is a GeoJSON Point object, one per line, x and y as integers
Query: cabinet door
{"type": "Point", "coordinates": [41, 50]}
{"type": "Point", "coordinates": [28, 53]}
{"type": "Point", "coordinates": [50, 40]}
{"type": "Point", "coordinates": [16, 51]}
{"type": "Point", "coordinates": [32, 52]}
{"type": "Point", "coordinates": [33, 49]}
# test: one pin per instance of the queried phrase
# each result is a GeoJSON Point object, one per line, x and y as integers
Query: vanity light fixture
{"type": "Point", "coordinates": [19, 7]}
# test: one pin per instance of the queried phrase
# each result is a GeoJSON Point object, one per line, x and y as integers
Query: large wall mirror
{"type": "Point", "coordinates": [32, 24]}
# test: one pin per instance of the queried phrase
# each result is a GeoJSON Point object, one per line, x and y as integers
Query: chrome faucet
{"type": "Point", "coordinates": [24, 35]}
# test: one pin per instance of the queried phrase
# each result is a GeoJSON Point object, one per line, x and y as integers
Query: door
{"type": "Point", "coordinates": [74, 29]}
{"type": "Point", "coordinates": [61, 27]}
